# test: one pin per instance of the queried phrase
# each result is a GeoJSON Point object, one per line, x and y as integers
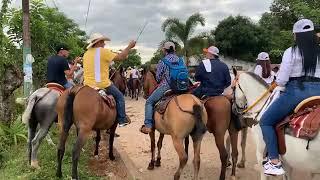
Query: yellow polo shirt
{"type": "Point", "coordinates": [96, 62]}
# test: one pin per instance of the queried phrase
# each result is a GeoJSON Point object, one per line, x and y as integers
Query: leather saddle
{"type": "Point", "coordinates": [303, 123]}
{"type": "Point", "coordinates": [56, 87]}
{"type": "Point", "coordinates": [162, 104]}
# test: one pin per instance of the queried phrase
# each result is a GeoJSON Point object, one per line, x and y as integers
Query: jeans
{"type": "Point", "coordinates": [151, 101]}
{"type": "Point", "coordinates": [68, 85]}
{"type": "Point", "coordinates": [281, 108]}
{"type": "Point", "coordinates": [120, 104]}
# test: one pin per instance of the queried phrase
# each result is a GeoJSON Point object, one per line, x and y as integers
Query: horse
{"type": "Point", "coordinates": [87, 110]}
{"type": "Point", "coordinates": [185, 115]}
{"type": "Point", "coordinates": [39, 111]}
{"type": "Point", "coordinates": [118, 80]}
{"type": "Point", "coordinates": [249, 88]}
{"type": "Point", "coordinates": [134, 88]}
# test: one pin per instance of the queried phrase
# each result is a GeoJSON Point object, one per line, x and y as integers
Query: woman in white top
{"type": "Point", "coordinates": [263, 68]}
{"type": "Point", "coordinates": [298, 79]}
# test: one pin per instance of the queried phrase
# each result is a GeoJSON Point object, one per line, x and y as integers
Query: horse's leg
{"type": "Point", "coordinates": [183, 158]}
{"type": "Point", "coordinates": [159, 145]}
{"type": "Point", "coordinates": [234, 144]}
{"type": "Point", "coordinates": [244, 133]}
{"type": "Point", "coordinates": [196, 159]}
{"type": "Point", "coordinates": [153, 146]}
{"type": "Point", "coordinates": [82, 136]}
{"type": "Point", "coordinates": [111, 140]}
{"type": "Point", "coordinates": [223, 154]}
{"type": "Point", "coordinates": [31, 133]}
{"type": "Point", "coordinates": [228, 143]}
{"type": "Point", "coordinates": [315, 176]}
{"type": "Point", "coordinates": [186, 145]}
{"type": "Point", "coordinates": [61, 148]}
{"type": "Point", "coordinates": [44, 128]}
{"type": "Point", "coordinates": [98, 139]}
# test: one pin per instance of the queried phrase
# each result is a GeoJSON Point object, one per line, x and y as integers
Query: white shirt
{"type": "Point", "coordinates": [258, 71]}
{"type": "Point", "coordinates": [291, 66]}
{"type": "Point", "coordinates": [135, 73]}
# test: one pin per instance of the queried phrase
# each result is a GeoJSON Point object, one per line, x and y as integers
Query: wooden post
{"type": "Point", "coordinates": [27, 57]}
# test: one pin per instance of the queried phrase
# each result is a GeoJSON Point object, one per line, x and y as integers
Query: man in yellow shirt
{"type": "Point", "coordinates": [96, 62]}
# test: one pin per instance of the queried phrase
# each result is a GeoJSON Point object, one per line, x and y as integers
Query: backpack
{"type": "Point", "coordinates": [179, 76]}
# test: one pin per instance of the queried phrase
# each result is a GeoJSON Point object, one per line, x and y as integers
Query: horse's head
{"type": "Point", "coordinates": [149, 83]}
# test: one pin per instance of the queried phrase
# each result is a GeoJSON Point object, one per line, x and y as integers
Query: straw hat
{"type": "Point", "coordinates": [96, 37]}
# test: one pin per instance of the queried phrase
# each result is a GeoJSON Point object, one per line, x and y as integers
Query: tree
{"type": "Point", "coordinates": [181, 32]}
{"type": "Point", "coordinates": [10, 73]}
{"type": "Point", "coordinates": [133, 59]}
{"type": "Point", "coordinates": [48, 28]}
{"type": "Point", "coordinates": [238, 37]}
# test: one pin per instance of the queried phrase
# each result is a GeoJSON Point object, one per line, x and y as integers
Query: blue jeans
{"type": "Point", "coordinates": [281, 108]}
{"type": "Point", "coordinates": [120, 104]}
{"type": "Point", "coordinates": [151, 101]}
{"type": "Point", "coordinates": [67, 85]}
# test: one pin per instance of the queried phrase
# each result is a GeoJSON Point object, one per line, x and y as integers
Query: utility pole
{"type": "Point", "coordinates": [27, 57]}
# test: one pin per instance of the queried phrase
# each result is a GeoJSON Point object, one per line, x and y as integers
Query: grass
{"type": "Point", "coordinates": [16, 163]}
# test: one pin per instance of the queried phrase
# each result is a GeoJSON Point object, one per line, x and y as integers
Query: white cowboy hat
{"type": "Point", "coordinates": [96, 37]}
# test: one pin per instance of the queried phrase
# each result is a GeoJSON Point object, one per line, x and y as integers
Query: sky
{"type": "Point", "coordinates": [122, 20]}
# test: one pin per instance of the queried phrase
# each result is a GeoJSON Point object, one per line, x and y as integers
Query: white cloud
{"type": "Point", "coordinates": [121, 20]}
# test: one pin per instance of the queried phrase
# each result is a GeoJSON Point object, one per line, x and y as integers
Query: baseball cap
{"type": "Point", "coordinates": [212, 50]}
{"type": "Point", "coordinates": [263, 56]}
{"type": "Point", "coordinates": [303, 25]}
{"type": "Point", "coordinates": [168, 44]}
{"type": "Point", "coordinates": [60, 47]}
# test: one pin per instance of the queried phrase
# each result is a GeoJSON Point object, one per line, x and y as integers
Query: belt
{"type": "Point", "coordinates": [305, 79]}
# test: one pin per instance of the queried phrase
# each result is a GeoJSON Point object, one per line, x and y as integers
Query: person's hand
{"type": "Point", "coordinates": [77, 60]}
{"type": "Point", "coordinates": [132, 44]}
{"type": "Point", "coordinates": [280, 88]}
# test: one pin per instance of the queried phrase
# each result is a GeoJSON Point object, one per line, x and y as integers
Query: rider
{"type": "Point", "coordinates": [162, 77]}
{"type": "Point", "coordinates": [58, 67]}
{"type": "Point", "coordinates": [263, 68]}
{"type": "Point", "coordinates": [96, 63]}
{"type": "Point", "coordinates": [213, 74]}
{"type": "Point", "coordinates": [298, 79]}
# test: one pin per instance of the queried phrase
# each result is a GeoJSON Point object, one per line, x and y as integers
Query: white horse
{"type": "Point", "coordinates": [249, 89]}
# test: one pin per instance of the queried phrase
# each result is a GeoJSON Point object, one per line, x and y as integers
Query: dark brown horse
{"type": "Point", "coordinates": [184, 116]}
{"type": "Point", "coordinates": [116, 76]}
{"type": "Point", "coordinates": [85, 108]}
{"type": "Point", "coordinates": [134, 88]}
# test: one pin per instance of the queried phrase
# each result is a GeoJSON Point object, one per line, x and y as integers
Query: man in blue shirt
{"type": "Point", "coordinates": [213, 75]}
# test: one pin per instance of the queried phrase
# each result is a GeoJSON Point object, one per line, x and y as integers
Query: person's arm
{"type": "Point", "coordinates": [124, 53]}
{"type": "Point", "coordinates": [285, 68]}
{"type": "Point", "coordinates": [67, 70]}
{"type": "Point", "coordinates": [258, 70]}
{"type": "Point", "coordinates": [161, 67]}
{"type": "Point", "coordinates": [198, 73]}
{"type": "Point", "coordinates": [227, 77]}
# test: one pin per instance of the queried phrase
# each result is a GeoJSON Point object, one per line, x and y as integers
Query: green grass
{"type": "Point", "coordinates": [16, 164]}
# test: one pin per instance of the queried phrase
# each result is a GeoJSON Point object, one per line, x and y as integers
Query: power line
{"type": "Point", "coordinates": [85, 24]}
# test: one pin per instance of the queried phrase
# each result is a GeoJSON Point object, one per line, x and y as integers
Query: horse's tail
{"type": "Point", "coordinates": [27, 112]}
{"type": "Point", "coordinates": [200, 115]}
{"type": "Point", "coordinates": [68, 111]}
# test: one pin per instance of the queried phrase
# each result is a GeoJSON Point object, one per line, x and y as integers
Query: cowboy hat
{"type": "Point", "coordinates": [96, 37]}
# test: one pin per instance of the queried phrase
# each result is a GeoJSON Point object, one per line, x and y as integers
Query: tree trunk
{"type": "Point", "coordinates": [11, 80]}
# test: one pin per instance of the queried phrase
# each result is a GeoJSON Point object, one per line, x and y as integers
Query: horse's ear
{"type": "Point", "coordinates": [235, 72]}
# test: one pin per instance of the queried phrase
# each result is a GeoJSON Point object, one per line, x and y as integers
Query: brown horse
{"type": "Point", "coordinates": [86, 109]}
{"type": "Point", "coordinates": [134, 88]}
{"type": "Point", "coordinates": [183, 116]}
{"type": "Point", "coordinates": [219, 121]}
{"type": "Point", "coordinates": [119, 80]}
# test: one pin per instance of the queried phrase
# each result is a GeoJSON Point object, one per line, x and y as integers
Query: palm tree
{"type": "Point", "coordinates": [181, 32]}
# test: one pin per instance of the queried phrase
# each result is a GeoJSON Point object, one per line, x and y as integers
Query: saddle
{"type": "Point", "coordinates": [162, 104]}
{"type": "Point", "coordinates": [108, 99]}
{"type": "Point", "coordinates": [56, 87]}
{"type": "Point", "coordinates": [304, 123]}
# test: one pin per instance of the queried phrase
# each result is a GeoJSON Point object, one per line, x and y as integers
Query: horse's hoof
{"type": "Point", "coordinates": [241, 165]}
{"type": "Point", "coordinates": [158, 162]}
{"type": "Point", "coordinates": [35, 165]}
{"type": "Point", "coordinates": [233, 178]}
{"type": "Point", "coordinates": [151, 166]}
{"type": "Point", "coordinates": [176, 176]}
{"type": "Point", "coordinates": [112, 158]}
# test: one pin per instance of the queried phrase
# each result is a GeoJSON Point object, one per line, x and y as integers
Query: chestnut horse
{"type": "Point", "coordinates": [86, 109]}
{"type": "Point", "coordinates": [185, 115]}
{"type": "Point", "coordinates": [119, 80]}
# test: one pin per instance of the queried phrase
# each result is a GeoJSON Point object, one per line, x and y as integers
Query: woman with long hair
{"type": "Point", "coordinates": [263, 68]}
{"type": "Point", "coordinates": [298, 79]}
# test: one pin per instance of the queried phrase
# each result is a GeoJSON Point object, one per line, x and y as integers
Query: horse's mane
{"type": "Point", "coordinates": [154, 74]}
{"type": "Point", "coordinates": [258, 78]}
